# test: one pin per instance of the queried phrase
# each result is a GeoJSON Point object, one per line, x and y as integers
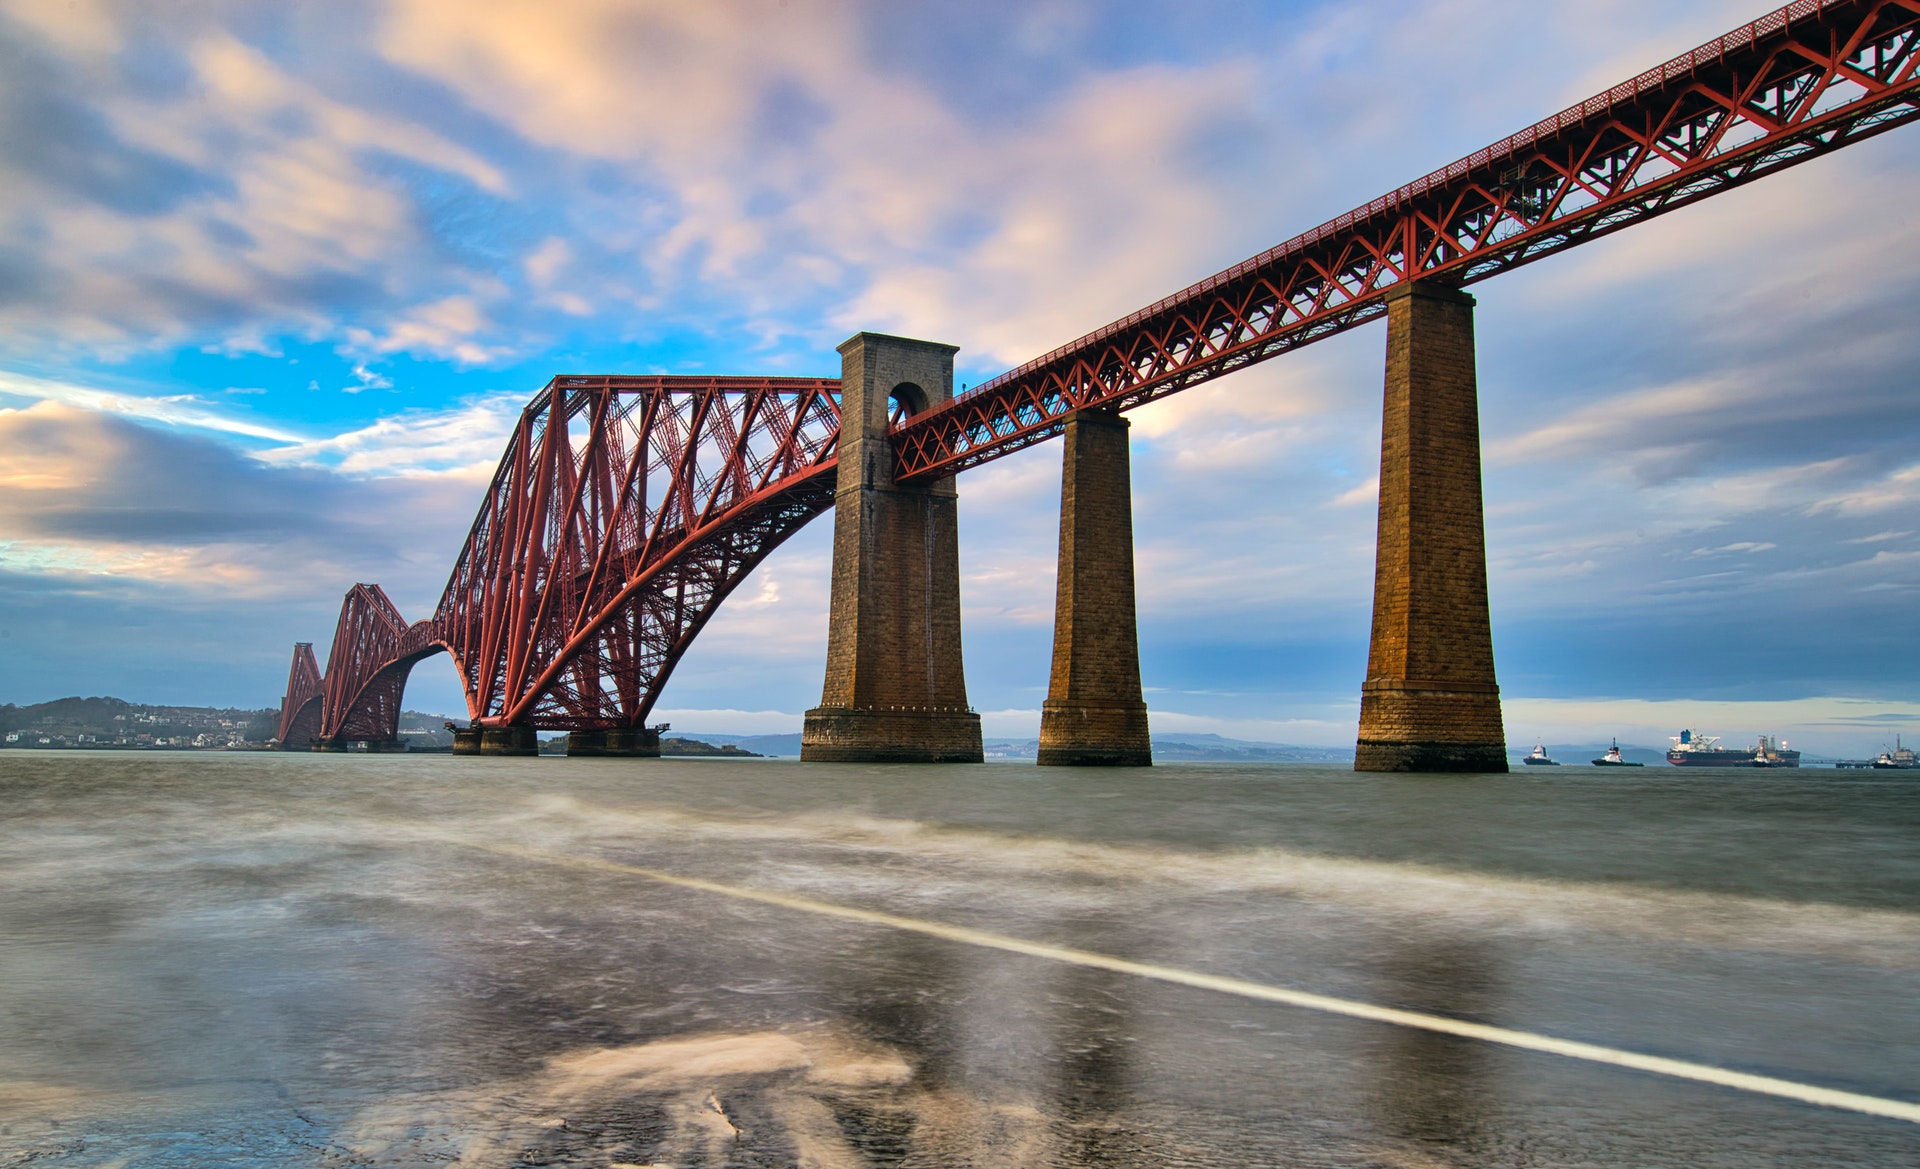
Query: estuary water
{"type": "Point", "coordinates": [359, 961]}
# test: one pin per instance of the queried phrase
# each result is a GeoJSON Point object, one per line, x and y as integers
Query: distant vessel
{"type": "Point", "coordinates": [1691, 750]}
{"type": "Point", "coordinates": [1613, 758]}
{"type": "Point", "coordinates": [1539, 757]}
{"type": "Point", "coordinates": [1899, 759]}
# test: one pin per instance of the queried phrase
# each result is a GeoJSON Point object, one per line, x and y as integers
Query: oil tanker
{"type": "Point", "coordinates": [1691, 750]}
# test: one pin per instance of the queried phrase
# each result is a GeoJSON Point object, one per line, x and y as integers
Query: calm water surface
{"type": "Point", "coordinates": [297, 960]}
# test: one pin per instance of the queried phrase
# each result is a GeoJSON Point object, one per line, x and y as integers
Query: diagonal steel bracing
{"type": "Point", "coordinates": [1798, 83]}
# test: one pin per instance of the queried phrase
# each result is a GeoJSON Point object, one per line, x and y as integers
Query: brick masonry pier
{"type": "Point", "coordinates": [1430, 702]}
{"type": "Point", "coordinates": [1094, 714]}
{"type": "Point", "coordinates": [895, 688]}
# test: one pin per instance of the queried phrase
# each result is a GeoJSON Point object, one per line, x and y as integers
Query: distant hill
{"type": "Point", "coordinates": [776, 746]}
{"type": "Point", "coordinates": [1200, 748]}
{"type": "Point", "coordinates": [106, 722]}
{"type": "Point", "coordinates": [1172, 748]}
{"type": "Point", "coordinates": [681, 745]}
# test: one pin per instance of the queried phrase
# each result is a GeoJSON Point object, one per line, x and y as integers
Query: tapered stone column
{"type": "Point", "coordinates": [1094, 714]}
{"type": "Point", "coordinates": [895, 690]}
{"type": "Point", "coordinates": [1430, 702]}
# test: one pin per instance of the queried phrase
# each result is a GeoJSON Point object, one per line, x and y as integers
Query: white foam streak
{"type": "Point", "coordinates": [1381, 889]}
{"type": "Point", "coordinates": [1351, 1008]}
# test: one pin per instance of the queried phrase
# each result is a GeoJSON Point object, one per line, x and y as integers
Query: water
{"type": "Point", "coordinates": [409, 961]}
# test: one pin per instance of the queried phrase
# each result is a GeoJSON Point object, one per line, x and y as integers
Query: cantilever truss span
{"type": "Point", "coordinates": [624, 510]}
{"type": "Point", "coordinates": [627, 508]}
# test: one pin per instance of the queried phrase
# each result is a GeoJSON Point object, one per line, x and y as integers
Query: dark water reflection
{"type": "Point", "coordinates": [1435, 1088]}
{"type": "Point", "coordinates": [303, 961]}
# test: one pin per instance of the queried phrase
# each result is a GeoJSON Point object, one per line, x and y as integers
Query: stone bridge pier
{"type": "Point", "coordinates": [895, 688]}
{"type": "Point", "coordinates": [1094, 714]}
{"type": "Point", "coordinates": [1430, 702]}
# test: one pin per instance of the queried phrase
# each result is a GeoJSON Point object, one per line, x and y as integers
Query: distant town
{"type": "Point", "coordinates": [114, 724]}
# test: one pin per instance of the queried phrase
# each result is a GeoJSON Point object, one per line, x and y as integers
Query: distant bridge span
{"type": "Point", "coordinates": [626, 509]}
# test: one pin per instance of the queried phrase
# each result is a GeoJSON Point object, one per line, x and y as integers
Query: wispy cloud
{"type": "Point", "coordinates": [184, 410]}
{"type": "Point", "coordinates": [365, 379]}
{"type": "Point", "coordinates": [465, 441]}
{"type": "Point", "coordinates": [1902, 487]}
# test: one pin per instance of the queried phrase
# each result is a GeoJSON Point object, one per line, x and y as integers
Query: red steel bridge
{"type": "Point", "coordinates": [626, 509]}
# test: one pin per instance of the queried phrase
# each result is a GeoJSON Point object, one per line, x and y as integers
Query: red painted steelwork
{"type": "Point", "coordinates": [300, 709]}
{"type": "Point", "coordinates": [373, 651]}
{"type": "Point", "coordinates": [1798, 83]}
{"type": "Point", "coordinates": [624, 510]}
{"type": "Point", "coordinates": [608, 539]}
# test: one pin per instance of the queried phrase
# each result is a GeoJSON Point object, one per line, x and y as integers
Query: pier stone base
{"type": "Point", "coordinates": [618, 744]}
{"type": "Point", "coordinates": [508, 741]}
{"type": "Point", "coordinates": [1094, 714]}
{"type": "Point", "coordinates": [1430, 702]}
{"type": "Point", "coordinates": [848, 735]}
{"type": "Point", "coordinates": [895, 689]}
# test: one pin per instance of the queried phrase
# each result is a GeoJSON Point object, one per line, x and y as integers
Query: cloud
{"type": "Point", "coordinates": [446, 328]}
{"type": "Point", "coordinates": [1878, 537]}
{"type": "Point", "coordinates": [176, 410]}
{"type": "Point", "coordinates": [366, 379]}
{"type": "Point", "coordinates": [1899, 488]}
{"type": "Point", "coordinates": [234, 197]}
{"type": "Point", "coordinates": [1359, 493]}
{"type": "Point", "coordinates": [464, 442]}
{"type": "Point", "coordinates": [762, 136]}
{"type": "Point", "coordinates": [1737, 546]}
{"type": "Point", "coordinates": [90, 494]}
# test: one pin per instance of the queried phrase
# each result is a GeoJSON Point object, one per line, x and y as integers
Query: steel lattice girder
{"type": "Point", "coordinates": [601, 549]}
{"type": "Point", "coordinates": [1800, 82]}
{"type": "Point", "coordinates": [300, 709]}
{"type": "Point", "coordinates": [624, 510]}
{"type": "Point", "coordinates": [365, 641]}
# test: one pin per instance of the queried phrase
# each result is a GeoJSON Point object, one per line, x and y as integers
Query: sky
{"type": "Point", "coordinates": [277, 278]}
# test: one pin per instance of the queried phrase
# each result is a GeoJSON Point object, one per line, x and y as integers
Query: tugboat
{"type": "Point", "coordinates": [1899, 759]}
{"type": "Point", "coordinates": [1539, 757]}
{"type": "Point", "coordinates": [1613, 758]}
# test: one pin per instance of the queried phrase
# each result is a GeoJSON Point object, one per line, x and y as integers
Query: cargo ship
{"type": "Point", "coordinates": [1691, 750]}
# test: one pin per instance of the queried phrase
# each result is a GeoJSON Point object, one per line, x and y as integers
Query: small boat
{"type": "Point", "coordinates": [1613, 758]}
{"type": "Point", "coordinates": [1539, 757]}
